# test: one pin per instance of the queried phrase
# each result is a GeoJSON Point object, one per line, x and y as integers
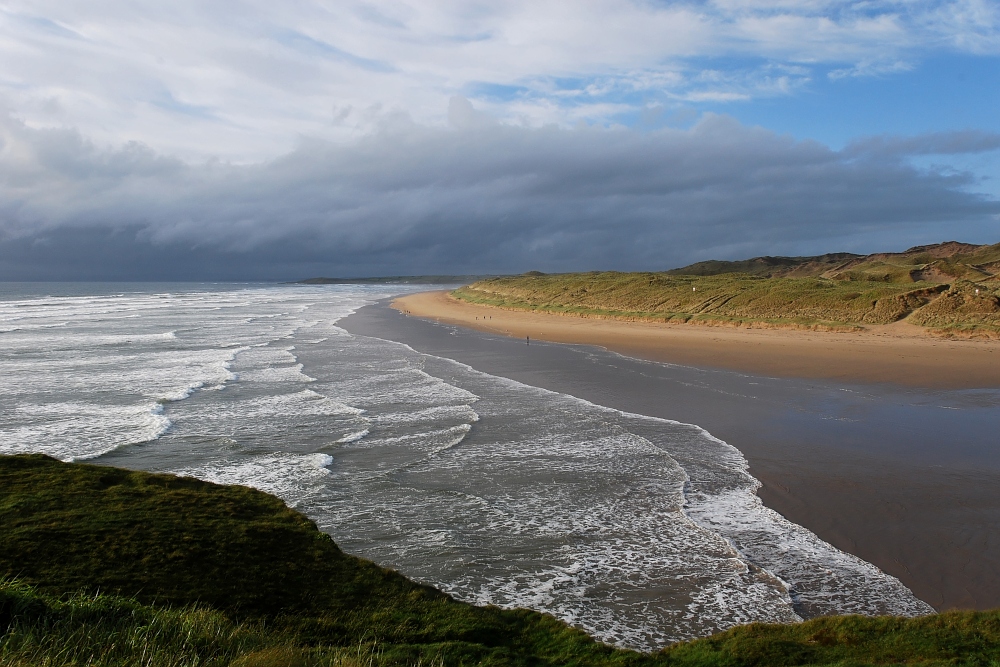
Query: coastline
{"type": "Point", "coordinates": [880, 471]}
{"type": "Point", "coordinates": [899, 353]}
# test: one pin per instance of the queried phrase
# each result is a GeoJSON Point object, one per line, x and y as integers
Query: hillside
{"type": "Point", "coordinates": [949, 288]}
{"type": "Point", "coordinates": [166, 540]}
{"type": "Point", "coordinates": [118, 568]}
{"type": "Point", "coordinates": [938, 263]}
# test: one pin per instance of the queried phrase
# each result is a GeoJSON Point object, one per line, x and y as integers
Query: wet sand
{"type": "Point", "coordinates": [898, 353]}
{"type": "Point", "coordinates": [900, 474]}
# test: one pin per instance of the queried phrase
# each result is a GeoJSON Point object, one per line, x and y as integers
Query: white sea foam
{"type": "Point", "coordinates": [293, 478]}
{"type": "Point", "coordinates": [352, 437]}
{"type": "Point", "coordinates": [116, 349]}
{"type": "Point", "coordinates": [461, 411]}
{"type": "Point", "coordinates": [74, 431]}
{"type": "Point", "coordinates": [718, 495]}
{"type": "Point", "coordinates": [721, 495]}
{"type": "Point", "coordinates": [300, 404]}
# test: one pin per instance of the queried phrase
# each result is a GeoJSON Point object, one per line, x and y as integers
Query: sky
{"type": "Point", "coordinates": [279, 141]}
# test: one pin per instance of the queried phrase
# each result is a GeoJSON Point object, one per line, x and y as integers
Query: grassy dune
{"type": "Point", "coordinates": [722, 299]}
{"type": "Point", "coordinates": [942, 262]}
{"type": "Point", "coordinates": [119, 568]}
{"type": "Point", "coordinates": [950, 294]}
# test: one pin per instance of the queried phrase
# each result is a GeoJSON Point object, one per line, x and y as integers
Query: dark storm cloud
{"type": "Point", "coordinates": [936, 143]}
{"type": "Point", "coordinates": [475, 197]}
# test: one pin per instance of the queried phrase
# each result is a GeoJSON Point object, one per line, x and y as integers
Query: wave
{"type": "Point", "coordinates": [352, 437]}
{"type": "Point", "coordinates": [77, 431]}
{"type": "Point", "coordinates": [720, 496]}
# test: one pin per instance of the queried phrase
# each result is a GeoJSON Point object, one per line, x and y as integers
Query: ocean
{"type": "Point", "coordinates": [639, 530]}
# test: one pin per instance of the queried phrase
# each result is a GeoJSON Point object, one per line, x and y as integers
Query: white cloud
{"type": "Point", "coordinates": [968, 25]}
{"type": "Point", "coordinates": [244, 80]}
{"type": "Point", "coordinates": [866, 68]}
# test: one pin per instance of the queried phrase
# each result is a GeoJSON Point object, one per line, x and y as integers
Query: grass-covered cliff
{"type": "Point", "coordinates": [117, 568]}
{"type": "Point", "coordinates": [950, 289]}
{"type": "Point", "coordinates": [245, 557]}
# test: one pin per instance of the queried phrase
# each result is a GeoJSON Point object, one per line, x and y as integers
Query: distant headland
{"type": "Point", "coordinates": [393, 280]}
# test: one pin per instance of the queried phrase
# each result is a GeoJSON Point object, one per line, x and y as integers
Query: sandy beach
{"type": "Point", "coordinates": [878, 443]}
{"type": "Point", "coordinates": [899, 353]}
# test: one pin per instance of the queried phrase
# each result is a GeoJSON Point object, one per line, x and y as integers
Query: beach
{"type": "Point", "coordinates": [898, 353]}
{"type": "Point", "coordinates": [882, 444]}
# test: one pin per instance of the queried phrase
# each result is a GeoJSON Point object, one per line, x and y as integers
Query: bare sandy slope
{"type": "Point", "coordinates": [897, 353]}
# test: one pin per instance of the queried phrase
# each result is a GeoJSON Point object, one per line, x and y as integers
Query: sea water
{"type": "Point", "coordinates": [639, 530]}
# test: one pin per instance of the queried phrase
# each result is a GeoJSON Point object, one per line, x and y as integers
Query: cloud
{"type": "Point", "coordinates": [243, 80]}
{"type": "Point", "coordinates": [477, 196]}
{"type": "Point", "coordinates": [935, 143]}
{"type": "Point", "coordinates": [877, 68]}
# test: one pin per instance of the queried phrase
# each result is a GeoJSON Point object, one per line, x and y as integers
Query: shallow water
{"type": "Point", "coordinates": [639, 530]}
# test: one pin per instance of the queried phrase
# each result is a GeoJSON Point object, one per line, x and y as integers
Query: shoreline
{"type": "Point", "coordinates": [878, 470]}
{"type": "Point", "coordinates": [898, 353]}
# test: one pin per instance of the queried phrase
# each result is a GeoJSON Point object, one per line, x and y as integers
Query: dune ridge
{"type": "Point", "coordinates": [949, 289]}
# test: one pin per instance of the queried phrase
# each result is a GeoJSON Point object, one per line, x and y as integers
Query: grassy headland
{"type": "Point", "coordinates": [950, 288]}
{"type": "Point", "coordinates": [119, 568]}
{"type": "Point", "coordinates": [166, 541]}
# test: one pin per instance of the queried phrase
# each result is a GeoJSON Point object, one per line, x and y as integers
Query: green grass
{"type": "Point", "coordinates": [112, 631]}
{"type": "Point", "coordinates": [119, 568]}
{"type": "Point", "coordinates": [746, 300]}
{"type": "Point", "coordinates": [769, 267]}
{"type": "Point", "coordinates": [721, 299]}
{"type": "Point", "coordinates": [167, 540]}
{"type": "Point", "coordinates": [109, 631]}
{"type": "Point", "coordinates": [967, 308]}
{"type": "Point", "coordinates": [954, 638]}
{"type": "Point", "coordinates": [941, 263]}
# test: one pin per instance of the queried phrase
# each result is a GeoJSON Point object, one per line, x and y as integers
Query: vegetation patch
{"type": "Point", "coordinates": [166, 541]}
{"type": "Point", "coordinates": [942, 263]}
{"type": "Point", "coordinates": [734, 299]}
{"type": "Point", "coordinates": [119, 568]}
{"type": "Point", "coordinates": [836, 292]}
{"type": "Point", "coordinates": [967, 308]}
